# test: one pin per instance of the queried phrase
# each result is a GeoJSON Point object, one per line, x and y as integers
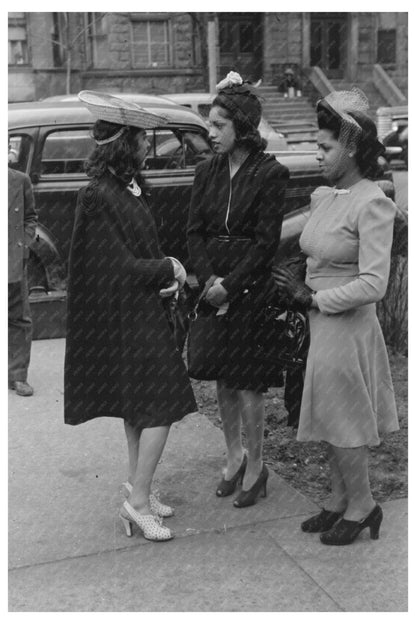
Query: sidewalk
{"type": "Point", "coordinates": [68, 552]}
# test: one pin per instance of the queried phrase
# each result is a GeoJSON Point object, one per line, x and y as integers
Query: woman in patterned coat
{"type": "Point", "coordinates": [121, 357]}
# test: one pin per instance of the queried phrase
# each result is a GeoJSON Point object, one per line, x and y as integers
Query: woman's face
{"type": "Point", "coordinates": [221, 131]}
{"type": "Point", "coordinates": [334, 159]}
{"type": "Point", "coordinates": [142, 145]}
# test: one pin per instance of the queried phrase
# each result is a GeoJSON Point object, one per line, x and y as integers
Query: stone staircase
{"type": "Point", "coordinates": [294, 117]}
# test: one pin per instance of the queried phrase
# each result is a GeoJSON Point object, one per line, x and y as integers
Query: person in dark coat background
{"type": "Point", "coordinates": [22, 227]}
{"type": "Point", "coordinates": [121, 358]}
{"type": "Point", "coordinates": [290, 85]}
{"type": "Point", "coordinates": [238, 200]}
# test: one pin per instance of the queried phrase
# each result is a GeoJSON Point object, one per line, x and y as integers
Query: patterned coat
{"type": "Point", "coordinates": [121, 357]}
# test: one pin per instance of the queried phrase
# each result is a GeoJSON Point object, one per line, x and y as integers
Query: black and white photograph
{"type": "Point", "coordinates": [208, 310]}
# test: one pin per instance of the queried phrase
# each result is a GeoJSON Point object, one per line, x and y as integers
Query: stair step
{"type": "Point", "coordinates": [292, 119]}
{"type": "Point", "coordinates": [287, 106]}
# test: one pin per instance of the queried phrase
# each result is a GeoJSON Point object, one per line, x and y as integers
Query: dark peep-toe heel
{"type": "Point", "coordinates": [346, 531]}
{"type": "Point", "coordinates": [321, 522]}
{"type": "Point", "coordinates": [246, 498]}
{"type": "Point", "coordinates": [226, 487]}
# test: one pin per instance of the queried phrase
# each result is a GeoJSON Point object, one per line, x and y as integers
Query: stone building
{"type": "Point", "coordinates": [52, 53]}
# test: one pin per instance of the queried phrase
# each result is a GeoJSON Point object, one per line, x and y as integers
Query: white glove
{"type": "Point", "coordinates": [178, 271]}
{"type": "Point", "coordinates": [170, 290]}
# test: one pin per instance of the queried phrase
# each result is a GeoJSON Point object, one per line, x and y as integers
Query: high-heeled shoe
{"type": "Point", "coordinates": [321, 522]}
{"type": "Point", "coordinates": [156, 507]}
{"type": "Point", "coordinates": [246, 498]}
{"type": "Point", "coordinates": [226, 487]}
{"type": "Point", "coordinates": [148, 525]}
{"type": "Point", "coordinates": [346, 531]}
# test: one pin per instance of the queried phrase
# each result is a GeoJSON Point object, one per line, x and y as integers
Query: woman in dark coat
{"type": "Point", "coordinates": [237, 200]}
{"type": "Point", "coordinates": [121, 358]}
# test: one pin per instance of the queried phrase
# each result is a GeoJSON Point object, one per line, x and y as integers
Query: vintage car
{"type": "Point", "coordinates": [50, 141]}
{"type": "Point", "coordinates": [393, 129]}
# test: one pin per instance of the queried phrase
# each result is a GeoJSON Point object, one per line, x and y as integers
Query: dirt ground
{"type": "Point", "coordinates": [304, 465]}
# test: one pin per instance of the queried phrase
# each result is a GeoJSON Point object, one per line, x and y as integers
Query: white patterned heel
{"type": "Point", "coordinates": [148, 524]}
{"type": "Point", "coordinates": [128, 525]}
{"type": "Point", "coordinates": [164, 511]}
{"type": "Point", "coordinates": [157, 508]}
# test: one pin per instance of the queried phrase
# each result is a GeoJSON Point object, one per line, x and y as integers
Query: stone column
{"type": "Point", "coordinates": [352, 47]}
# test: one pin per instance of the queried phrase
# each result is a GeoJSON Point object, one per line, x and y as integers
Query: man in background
{"type": "Point", "coordinates": [22, 227]}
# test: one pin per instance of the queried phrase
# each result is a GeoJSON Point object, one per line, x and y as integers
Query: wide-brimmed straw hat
{"type": "Point", "coordinates": [123, 112]}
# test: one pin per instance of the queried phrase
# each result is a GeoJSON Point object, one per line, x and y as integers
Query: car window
{"type": "Point", "coordinates": [175, 149]}
{"type": "Point", "coordinates": [20, 147]}
{"type": "Point", "coordinates": [65, 151]}
{"type": "Point", "coordinates": [203, 110]}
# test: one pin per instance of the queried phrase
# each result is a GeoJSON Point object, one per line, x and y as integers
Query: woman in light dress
{"type": "Point", "coordinates": [348, 397]}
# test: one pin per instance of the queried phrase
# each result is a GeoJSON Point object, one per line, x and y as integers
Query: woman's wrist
{"type": "Point", "coordinates": [313, 301]}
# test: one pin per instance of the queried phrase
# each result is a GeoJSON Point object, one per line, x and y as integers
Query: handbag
{"type": "Point", "coordinates": [283, 336]}
{"type": "Point", "coordinates": [207, 342]}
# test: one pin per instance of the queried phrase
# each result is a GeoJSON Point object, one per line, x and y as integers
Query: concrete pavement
{"type": "Point", "coordinates": [68, 552]}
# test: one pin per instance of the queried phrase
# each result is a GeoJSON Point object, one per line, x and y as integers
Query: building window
{"type": "Point", "coordinates": [97, 28]}
{"type": "Point", "coordinates": [59, 51]}
{"type": "Point", "coordinates": [18, 49]}
{"type": "Point", "coordinates": [386, 46]}
{"type": "Point", "coordinates": [150, 45]}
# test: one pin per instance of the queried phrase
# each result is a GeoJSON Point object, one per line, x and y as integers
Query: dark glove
{"type": "Point", "coordinates": [293, 289]}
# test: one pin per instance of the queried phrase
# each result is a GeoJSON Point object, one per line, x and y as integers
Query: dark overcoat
{"type": "Point", "coordinates": [121, 358]}
{"type": "Point", "coordinates": [22, 222]}
{"type": "Point", "coordinates": [248, 206]}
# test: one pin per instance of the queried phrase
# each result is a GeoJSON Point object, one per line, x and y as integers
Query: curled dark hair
{"type": "Point", "coordinates": [367, 146]}
{"type": "Point", "coordinates": [245, 113]}
{"type": "Point", "coordinates": [120, 154]}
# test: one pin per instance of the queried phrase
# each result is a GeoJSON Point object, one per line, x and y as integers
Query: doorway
{"type": "Point", "coordinates": [329, 43]}
{"type": "Point", "coordinates": [240, 42]}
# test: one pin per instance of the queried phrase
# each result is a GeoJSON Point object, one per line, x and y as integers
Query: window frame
{"type": "Point", "coordinates": [19, 21]}
{"type": "Point", "coordinates": [94, 39]}
{"type": "Point", "coordinates": [380, 48]}
{"type": "Point", "coordinates": [148, 18]}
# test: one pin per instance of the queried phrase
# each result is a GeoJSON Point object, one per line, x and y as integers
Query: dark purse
{"type": "Point", "coordinates": [282, 337]}
{"type": "Point", "coordinates": [283, 330]}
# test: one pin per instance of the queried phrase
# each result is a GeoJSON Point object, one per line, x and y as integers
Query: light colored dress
{"type": "Point", "coordinates": [348, 396]}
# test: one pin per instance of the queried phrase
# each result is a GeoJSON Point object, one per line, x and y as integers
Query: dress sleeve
{"type": "Point", "coordinates": [196, 231]}
{"type": "Point", "coordinates": [375, 232]}
{"type": "Point", "coordinates": [267, 231]}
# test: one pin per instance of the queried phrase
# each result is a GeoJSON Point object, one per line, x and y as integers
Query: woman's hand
{"type": "Point", "coordinates": [179, 271]}
{"type": "Point", "coordinates": [170, 290]}
{"type": "Point", "coordinates": [291, 288]}
{"type": "Point", "coordinates": [216, 294]}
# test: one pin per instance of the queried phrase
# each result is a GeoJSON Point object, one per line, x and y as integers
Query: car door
{"type": "Point", "coordinates": [58, 174]}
